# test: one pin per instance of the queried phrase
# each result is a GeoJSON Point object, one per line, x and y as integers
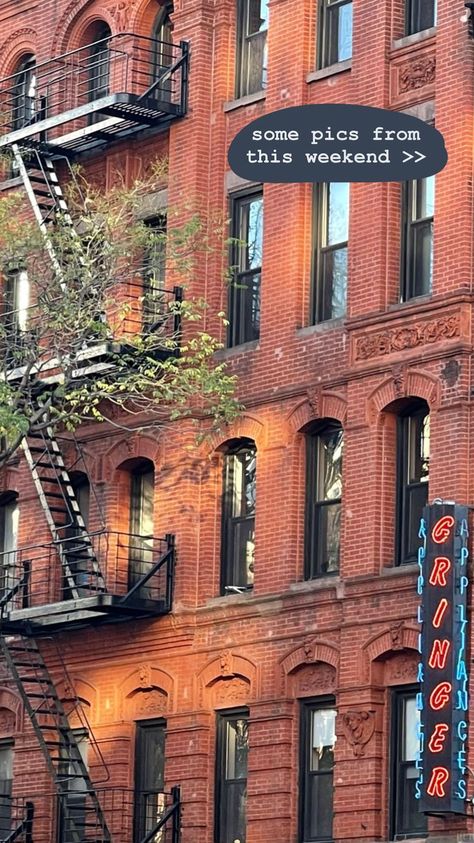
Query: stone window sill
{"type": "Point", "coordinates": [320, 327]}
{"type": "Point", "coordinates": [9, 183]}
{"type": "Point", "coordinates": [224, 353]}
{"type": "Point", "coordinates": [241, 102]}
{"type": "Point", "coordinates": [416, 38]}
{"type": "Point", "coordinates": [332, 70]}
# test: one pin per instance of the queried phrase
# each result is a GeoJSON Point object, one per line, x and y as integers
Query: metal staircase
{"type": "Point", "coordinates": [81, 572]}
{"type": "Point", "coordinates": [57, 741]}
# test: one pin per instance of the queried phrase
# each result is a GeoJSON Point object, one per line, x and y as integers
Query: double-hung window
{"type": "Point", "coordinates": [318, 739]}
{"type": "Point", "coordinates": [418, 207]}
{"type": "Point", "coordinates": [238, 517]}
{"type": "Point", "coordinates": [252, 26]}
{"type": "Point", "coordinates": [324, 452]}
{"type": "Point", "coordinates": [406, 820]}
{"type": "Point", "coordinates": [330, 237]}
{"type": "Point", "coordinates": [335, 31]}
{"type": "Point", "coordinates": [231, 778]}
{"type": "Point", "coordinates": [244, 293]}
{"type": "Point", "coordinates": [413, 478]}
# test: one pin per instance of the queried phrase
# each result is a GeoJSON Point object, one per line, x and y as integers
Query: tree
{"type": "Point", "coordinates": [88, 332]}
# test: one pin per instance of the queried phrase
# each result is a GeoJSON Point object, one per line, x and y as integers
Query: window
{"type": "Point", "coordinates": [77, 562]}
{"type": "Point", "coordinates": [244, 300]}
{"type": "Point", "coordinates": [418, 198]}
{"type": "Point", "coordinates": [149, 776]}
{"type": "Point", "coordinates": [142, 492]}
{"type": "Point", "coordinates": [420, 14]}
{"type": "Point", "coordinates": [318, 739]}
{"type": "Point", "coordinates": [335, 32]}
{"type": "Point", "coordinates": [252, 28]}
{"type": "Point", "coordinates": [73, 799]}
{"type": "Point", "coordinates": [154, 273]}
{"type": "Point", "coordinates": [413, 478]}
{"type": "Point", "coordinates": [238, 517]}
{"type": "Point", "coordinates": [324, 452]}
{"type": "Point", "coordinates": [24, 93]}
{"type": "Point", "coordinates": [6, 782]}
{"type": "Point", "coordinates": [406, 820]}
{"type": "Point", "coordinates": [163, 51]}
{"type": "Point", "coordinates": [330, 237]}
{"type": "Point", "coordinates": [231, 784]}
{"type": "Point", "coordinates": [9, 518]}
{"type": "Point", "coordinates": [99, 63]}
{"type": "Point", "coordinates": [16, 299]}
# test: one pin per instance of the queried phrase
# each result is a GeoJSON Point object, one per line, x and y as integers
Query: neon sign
{"type": "Point", "coordinates": [442, 671]}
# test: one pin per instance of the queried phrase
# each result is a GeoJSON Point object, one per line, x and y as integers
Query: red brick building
{"type": "Point", "coordinates": [279, 691]}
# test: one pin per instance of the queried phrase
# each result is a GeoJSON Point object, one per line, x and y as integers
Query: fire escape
{"type": "Point", "coordinates": [80, 578]}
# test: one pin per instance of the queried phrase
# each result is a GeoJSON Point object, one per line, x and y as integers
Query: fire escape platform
{"type": "Point", "coordinates": [100, 608]}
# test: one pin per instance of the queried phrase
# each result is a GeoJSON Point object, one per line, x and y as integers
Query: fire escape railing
{"type": "Point", "coordinates": [16, 820]}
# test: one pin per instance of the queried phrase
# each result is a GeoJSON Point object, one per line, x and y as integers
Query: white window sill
{"type": "Point", "coordinates": [332, 70]}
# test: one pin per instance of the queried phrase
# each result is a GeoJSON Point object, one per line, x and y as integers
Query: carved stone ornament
{"type": "Point", "coordinates": [358, 726]}
{"type": "Point", "coordinates": [392, 340]}
{"type": "Point", "coordinates": [396, 634]}
{"type": "Point", "coordinates": [230, 691]}
{"type": "Point", "coordinates": [120, 14]}
{"type": "Point", "coordinates": [226, 663]}
{"type": "Point", "coordinates": [144, 677]}
{"type": "Point", "coordinates": [150, 702]}
{"type": "Point", "coordinates": [401, 669]}
{"type": "Point", "coordinates": [316, 680]}
{"type": "Point", "coordinates": [308, 648]}
{"type": "Point", "coordinates": [7, 721]}
{"type": "Point", "coordinates": [417, 73]}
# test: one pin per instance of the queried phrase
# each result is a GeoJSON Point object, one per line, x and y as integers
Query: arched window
{"type": "Point", "coordinates": [163, 50]}
{"type": "Point", "coordinates": [238, 516]}
{"type": "Point", "coordinates": [413, 453]}
{"type": "Point", "coordinates": [324, 451]}
{"type": "Point", "coordinates": [142, 491]}
{"type": "Point", "coordinates": [24, 92]}
{"type": "Point", "coordinates": [9, 520]}
{"type": "Point", "coordinates": [98, 63]}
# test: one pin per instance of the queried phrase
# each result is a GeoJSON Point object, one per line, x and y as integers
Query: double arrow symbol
{"type": "Point", "coordinates": [418, 156]}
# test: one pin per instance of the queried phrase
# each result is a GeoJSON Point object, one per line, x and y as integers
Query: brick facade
{"type": "Point", "coordinates": [353, 636]}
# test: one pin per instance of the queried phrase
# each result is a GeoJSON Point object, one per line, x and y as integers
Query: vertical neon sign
{"type": "Point", "coordinates": [442, 671]}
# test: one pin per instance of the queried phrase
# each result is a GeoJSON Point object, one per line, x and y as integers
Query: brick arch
{"type": "Point", "coordinates": [312, 651]}
{"type": "Point", "coordinates": [322, 405]}
{"type": "Point", "coordinates": [11, 711]}
{"type": "Point", "coordinates": [413, 384]}
{"type": "Point", "coordinates": [144, 16]}
{"type": "Point", "coordinates": [228, 665]}
{"type": "Point", "coordinates": [388, 641]}
{"type": "Point", "coordinates": [147, 676]}
{"type": "Point", "coordinates": [248, 427]}
{"type": "Point", "coordinates": [18, 44]}
{"type": "Point", "coordinates": [132, 447]}
{"type": "Point", "coordinates": [78, 15]}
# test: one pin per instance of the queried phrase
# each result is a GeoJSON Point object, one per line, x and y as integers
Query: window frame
{"type": "Point", "coordinates": [224, 716]}
{"type": "Point", "coordinates": [228, 521]}
{"type": "Point", "coordinates": [324, 47]}
{"type": "Point", "coordinates": [413, 9]}
{"type": "Point", "coordinates": [320, 223]}
{"type": "Point", "coordinates": [415, 410]}
{"type": "Point", "coordinates": [312, 562]}
{"type": "Point", "coordinates": [397, 697]}
{"type": "Point", "coordinates": [25, 104]}
{"type": "Point", "coordinates": [6, 810]}
{"type": "Point", "coordinates": [408, 227]}
{"type": "Point", "coordinates": [307, 706]}
{"type": "Point", "coordinates": [141, 727]}
{"type": "Point", "coordinates": [243, 52]}
{"type": "Point", "coordinates": [238, 332]}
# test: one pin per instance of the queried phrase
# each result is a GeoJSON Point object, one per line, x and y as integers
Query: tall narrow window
{"type": "Point", "coordinates": [16, 300]}
{"type": "Point", "coordinates": [324, 452]}
{"type": "Point", "coordinates": [244, 300]}
{"type": "Point", "coordinates": [418, 198]}
{"type": "Point", "coordinates": [154, 275]}
{"type": "Point", "coordinates": [231, 784]}
{"type": "Point", "coordinates": [331, 234]}
{"type": "Point", "coordinates": [406, 820]}
{"type": "Point", "coordinates": [413, 478]}
{"type": "Point", "coordinates": [78, 562]}
{"type": "Point", "coordinates": [9, 519]}
{"type": "Point", "coordinates": [163, 51]}
{"type": "Point", "coordinates": [73, 808]}
{"type": "Point", "coordinates": [420, 14]}
{"type": "Point", "coordinates": [24, 93]}
{"type": "Point", "coordinates": [149, 776]}
{"type": "Point", "coordinates": [142, 490]}
{"type": "Point", "coordinates": [318, 739]}
{"type": "Point", "coordinates": [99, 63]}
{"type": "Point", "coordinates": [335, 31]}
{"type": "Point", "coordinates": [238, 517]}
{"type": "Point", "coordinates": [251, 46]}
{"type": "Point", "coordinates": [6, 782]}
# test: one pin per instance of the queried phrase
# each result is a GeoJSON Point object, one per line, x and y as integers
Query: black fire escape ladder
{"type": "Point", "coordinates": [82, 576]}
{"type": "Point", "coordinates": [23, 833]}
{"type": "Point", "coordinates": [173, 813]}
{"type": "Point", "coordinates": [56, 738]}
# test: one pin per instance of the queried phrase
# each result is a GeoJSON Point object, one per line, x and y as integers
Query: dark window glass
{"type": "Point", "coordinates": [324, 453]}
{"type": "Point", "coordinates": [142, 491]}
{"type": "Point", "coordinates": [238, 521]}
{"type": "Point", "coordinates": [418, 199]}
{"type": "Point", "coordinates": [335, 32]}
{"type": "Point", "coordinates": [406, 819]}
{"type": "Point", "coordinates": [231, 784]}
{"type": "Point", "coordinates": [318, 739]}
{"type": "Point", "coordinates": [244, 299]}
{"type": "Point", "coordinates": [331, 233]}
{"type": "Point", "coordinates": [72, 805]}
{"type": "Point", "coordinates": [420, 14]}
{"type": "Point", "coordinates": [149, 776]}
{"type": "Point", "coordinates": [6, 782]}
{"type": "Point", "coordinates": [99, 64]}
{"type": "Point", "coordinates": [24, 93]}
{"type": "Point", "coordinates": [413, 478]}
{"type": "Point", "coordinates": [251, 46]}
{"type": "Point", "coordinates": [9, 519]}
{"type": "Point", "coordinates": [155, 309]}
{"type": "Point", "coordinates": [78, 565]}
{"type": "Point", "coordinates": [16, 303]}
{"type": "Point", "coordinates": [163, 51]}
